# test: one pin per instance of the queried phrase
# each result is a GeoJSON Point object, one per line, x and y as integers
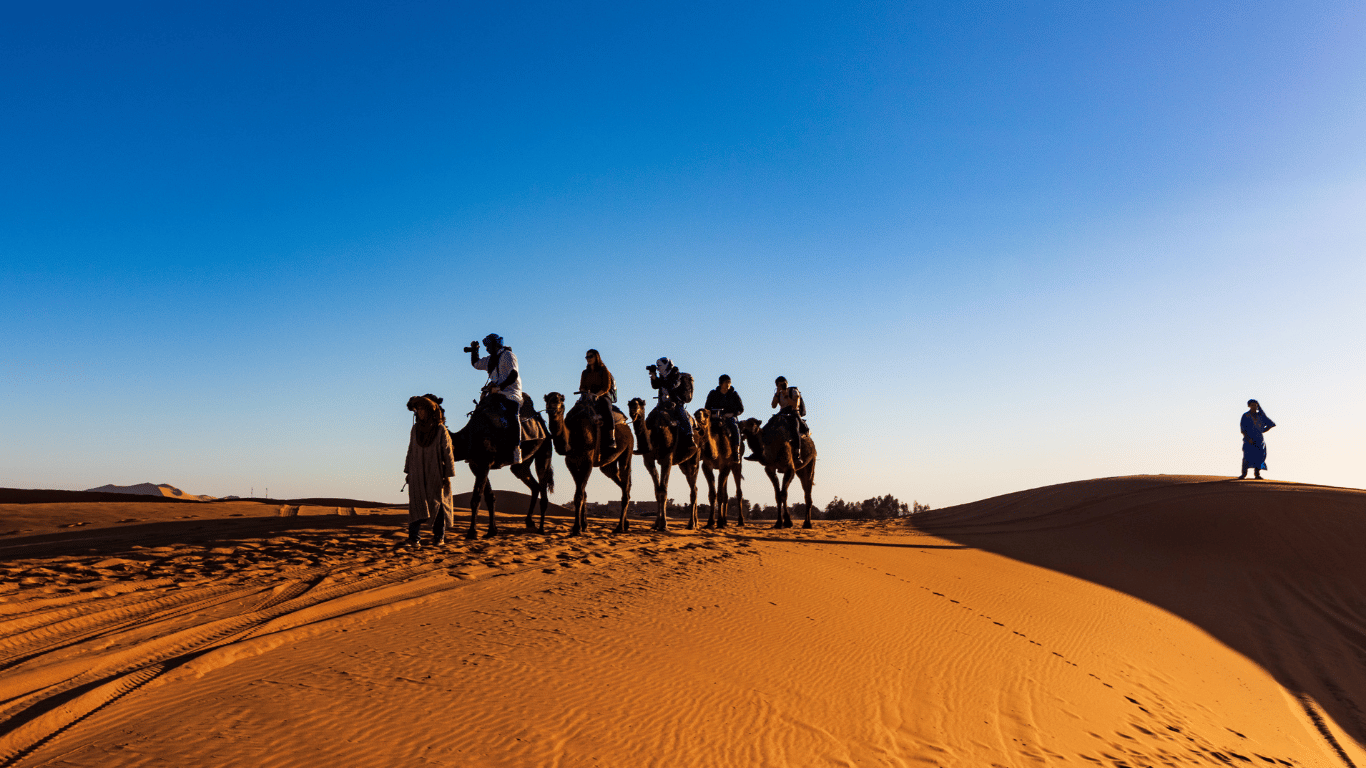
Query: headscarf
{"type": "Point", "coordinates": [493, 342]}
{"type": "Point", "coordinates": [426, 429]}
{"type": "Point", "coordinates": [664, 366]}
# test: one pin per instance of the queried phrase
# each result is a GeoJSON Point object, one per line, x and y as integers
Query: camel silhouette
{"type": "Point", "coordinates": [773, 444]}
{"type": "Point", "coordinates": [719, 458]}
{"type": "Point", "coordinates": [476, 444]}
{"type": "Point", "coordinates": [577, 438]}
{"type": "Point", "coordinates": [661, 435]}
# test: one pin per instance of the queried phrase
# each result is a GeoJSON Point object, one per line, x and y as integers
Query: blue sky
{"type": "Point", "coordinates": [998, 245]}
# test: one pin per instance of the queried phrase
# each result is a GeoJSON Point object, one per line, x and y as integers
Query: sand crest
{"type": "Point", "coordinates": [307, 640]}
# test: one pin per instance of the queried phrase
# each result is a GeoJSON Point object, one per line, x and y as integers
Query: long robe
{"type": "Point", "coordinates": [1254, 446]}
{"type": "Point", "coordinates": [427, 468]}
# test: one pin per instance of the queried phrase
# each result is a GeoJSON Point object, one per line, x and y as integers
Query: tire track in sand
{"type": "Point", "coordinates": [90, 631]}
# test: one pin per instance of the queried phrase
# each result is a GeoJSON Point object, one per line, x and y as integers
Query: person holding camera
{"type": "Point", "coordinates": [675, 392]}
{"type": "Point", "coordinates": [788, 401]}
{"type": "Point", "coordinates": [502, 393]}
{"type": "Point", "coordinates": [725, 403]}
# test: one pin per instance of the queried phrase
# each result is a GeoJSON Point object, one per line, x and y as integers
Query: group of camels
{"type": "Point", "coordinates": [577, 437]}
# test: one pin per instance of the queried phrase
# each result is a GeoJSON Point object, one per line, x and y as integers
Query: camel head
{"type": "Point", "coordinates": [636, 408]}
{"type": "Point", "coordinates": [703, 417]}
{"type": "Point", "coordinates": [750, 428]}
{"type": "Point", "coordinates": [554, 404]}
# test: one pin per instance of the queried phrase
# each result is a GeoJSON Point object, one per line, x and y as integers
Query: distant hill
{"type": "Point", "coordinates": [509, 502]}
{"type": "Point", "coordinates": [149, 489]}
{"type": "Point", "coordinates": [41, 496]}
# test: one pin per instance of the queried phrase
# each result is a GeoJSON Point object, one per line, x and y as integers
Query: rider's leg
{"type": "Point", "coordinates": [795, 423]}
{"type": "Point", "coordinates": [608, 429]}
{"type": "Point", "coordinates": [510, 451]}
{"type": "Point", "coordinates": [685, 427]}
{"type": "Point", "coordinates": [439, 528]}
{"type": "Point", "coordinates": [734, 425]}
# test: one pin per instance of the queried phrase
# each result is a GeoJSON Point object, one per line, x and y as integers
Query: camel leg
{"type": "Point", "coordinates": [808, 478]}
{"type": "Point", "coordinates": [662, 498]}
{"type": "Point", "coordinates": [480, 479]}
{"type": "Point", "coordinates": [582, 517]}
{"type": "Point", "coordinates": [547, 480]}
{"type": "Point", "coordinates": [777, 494]}
{"type": "Point", "coordinates": [711, 495]}
{"type": "Point", "coordinates": [691, 474]}
{"type": "Point", "coordinates": [738, 472]}
{"type": "Point", "coordinates": [723, 496]}
{"type": "Point", "coordinates": [493, 514]}
{"type": "Point", "coordinates": [523, 472]}
{"type": "Point", "coordinates": [785, 510]}
{"type": "Point", "coordinates": [619, 472]}
{"type": "Point", "coordinates": [580, 473]}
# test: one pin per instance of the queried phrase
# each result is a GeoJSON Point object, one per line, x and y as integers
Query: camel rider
{"type": "Point", "coordinates": [724, 402]}
{"type": "Point", "coordinates": [788, 401]}
{"type": "Point", "coordinates": [673, 396]}
{"type": "Point", "coordinates": [597, 381]}
{"type": "Point", "coordinates": [502, 393]}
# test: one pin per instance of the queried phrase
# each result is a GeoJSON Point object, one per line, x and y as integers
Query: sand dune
{"type": "Point", "coordinates": [1124, 622]}
{"type": "Point", "coordinates": [151, 489]}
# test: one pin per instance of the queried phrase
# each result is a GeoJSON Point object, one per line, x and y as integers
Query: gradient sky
{"type": "Point", "coordinates": [997, 245]}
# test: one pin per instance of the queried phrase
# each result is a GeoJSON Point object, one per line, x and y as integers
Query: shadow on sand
{"type": "Point", "coordinates": [1275, 571]}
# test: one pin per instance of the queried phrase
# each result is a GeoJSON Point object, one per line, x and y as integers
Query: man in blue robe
{"type": "Point", "coordinates": [1254, 423]}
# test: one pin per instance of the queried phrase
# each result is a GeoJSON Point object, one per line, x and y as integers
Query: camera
{"type": "Point", "coordinates": [473, 347]}
{"type": "Point", "coordinates": [652, 368]}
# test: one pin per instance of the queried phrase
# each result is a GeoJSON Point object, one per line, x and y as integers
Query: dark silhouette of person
{"type": "Point", "coordinates": [1254, 423]}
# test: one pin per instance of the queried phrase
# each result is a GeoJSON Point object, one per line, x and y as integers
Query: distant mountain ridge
{"type": "Point", "coordinates": [150, 489]}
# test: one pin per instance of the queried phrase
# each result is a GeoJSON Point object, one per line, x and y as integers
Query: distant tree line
{"type": "Point", "coordinates": [877, 508]}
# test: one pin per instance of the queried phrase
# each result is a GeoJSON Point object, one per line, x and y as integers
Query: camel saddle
{"type": "Point", "coordinates": [532, 429]}
{"type": "Point", "coordinates": [670, 416]}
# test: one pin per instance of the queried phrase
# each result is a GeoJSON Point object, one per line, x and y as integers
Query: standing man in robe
{"type": "Point", "coordinates": [1254, 423]}
{"type": "Point", "coordinates": [502, 392]}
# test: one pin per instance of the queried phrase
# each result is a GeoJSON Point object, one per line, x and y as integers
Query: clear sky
{"type": "Point", "coordinates": [997, 245]}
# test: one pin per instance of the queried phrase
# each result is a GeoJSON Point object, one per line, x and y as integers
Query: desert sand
{"type": "Point", "coordinates": [1145, 621]}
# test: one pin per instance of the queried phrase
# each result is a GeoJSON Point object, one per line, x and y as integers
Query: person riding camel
{"type": "Point", "coordinates": [502, 394]}
{"type": "Point", "coordinates": [596, 381]}
{"type": "Point", "coordinates": [789, 402]}
{"type": "Point", "coordinates": [674, 395]}
{"type": "Point", "coordinates": [725, 403]}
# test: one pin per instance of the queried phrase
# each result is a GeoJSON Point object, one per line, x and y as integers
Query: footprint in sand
{"type": "Point", "coordinates": [72, 525]}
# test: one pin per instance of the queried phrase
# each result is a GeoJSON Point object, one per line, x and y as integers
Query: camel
{"type": "Point", "coordinates": [577, 439]}
{"type": "Point", "coordinates": [773, 442]}
{"type": "Point", "coordinates": [475, 444]}
{"type": "Point", "coordinates": [660, 434]}
{"type": "Point", "coordinates": [718, 456]}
